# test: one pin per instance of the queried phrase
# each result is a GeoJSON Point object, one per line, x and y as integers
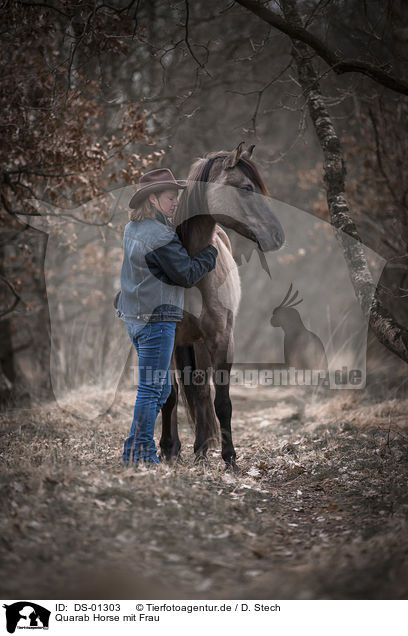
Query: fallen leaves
{"type": "Point", "coordinates": [299, 500]}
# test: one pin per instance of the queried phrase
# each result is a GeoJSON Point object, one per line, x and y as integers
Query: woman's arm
{"type": "Point", "coordinates": [174, 262]}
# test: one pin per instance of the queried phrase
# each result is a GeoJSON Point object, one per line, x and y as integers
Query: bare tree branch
{"type": "Point", "coordinates": [379, 159]}
{"type": "Point", "coordinates": [393, 335]}
{"type": "Point", "coordinates": [339, 66]}
{"type": "Point", "coordinates": [17, 298]}
{"type": "Point", "coordinates": [187, 41]}
{"type": "Point", "coordinates": [45, 6]}
{"type": "Point", "coordinates": [59, 215]}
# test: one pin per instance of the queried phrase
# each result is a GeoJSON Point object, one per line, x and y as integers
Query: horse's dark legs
{"type": "Point", "coordinates": [222, 353]}
{"type": "Point", "coordinates": [203, 415]}
{"type": "Point", "coordinates": [193, 362]}
{"type": "Point", "coordinates": [170, 444]}
{"type": "Point", "coordinates": [223, 409]}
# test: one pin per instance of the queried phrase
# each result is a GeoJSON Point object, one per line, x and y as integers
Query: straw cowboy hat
{"type": "Point", "coordinates": [155, 181]}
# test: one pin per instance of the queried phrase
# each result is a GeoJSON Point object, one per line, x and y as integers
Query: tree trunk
{"type": "Point", "coordinates": [7, 369]}
{"type": "Point", "coordinates": [391, 334]}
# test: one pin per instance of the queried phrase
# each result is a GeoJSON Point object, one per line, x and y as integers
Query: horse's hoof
{"type": "Point", "coordinates": [170, 455]}
{"type": "Point", "coordinates": [171, 460]}
{"type": "Point", "coordinates": [231, 467]}
{"type": "Point", "coordinates": [201, 460]}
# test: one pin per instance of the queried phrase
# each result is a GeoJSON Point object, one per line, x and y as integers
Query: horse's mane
{"type": "Point", "coordinates": [205, 170]}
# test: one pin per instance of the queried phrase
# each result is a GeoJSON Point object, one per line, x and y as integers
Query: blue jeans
{"type": "Point", "coordinates": [154, 343]}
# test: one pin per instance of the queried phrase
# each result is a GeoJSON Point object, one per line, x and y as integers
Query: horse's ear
{"type": "Point", "coordinates": [247, 154]}
{"type": "Point", "coordinates": [233, 157]}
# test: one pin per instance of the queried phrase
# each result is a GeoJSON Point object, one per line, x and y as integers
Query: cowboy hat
{"type": "Point", "coordinates": [155, 181]}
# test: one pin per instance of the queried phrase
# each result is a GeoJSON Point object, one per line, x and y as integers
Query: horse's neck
{"type": "Point", "coordinates": [199, 233]}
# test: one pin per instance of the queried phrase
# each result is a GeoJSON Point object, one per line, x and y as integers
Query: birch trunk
{"type": "Point", "coordinates": [389, 332]}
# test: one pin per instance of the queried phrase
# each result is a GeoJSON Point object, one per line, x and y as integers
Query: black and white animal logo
{"type": "Point", "coordinates": [26, 615]}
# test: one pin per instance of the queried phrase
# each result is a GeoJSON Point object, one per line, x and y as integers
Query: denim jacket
{"type": "Point", "coordinates": [155, 269]}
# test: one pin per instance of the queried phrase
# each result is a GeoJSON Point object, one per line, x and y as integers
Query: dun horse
{"type": "Point", "coordinates": [224, 187]}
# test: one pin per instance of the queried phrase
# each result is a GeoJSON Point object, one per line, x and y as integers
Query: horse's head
{"type": "Point", "coordinates": [228, 187]}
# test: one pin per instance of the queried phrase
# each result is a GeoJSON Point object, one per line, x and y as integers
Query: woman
{"type": "Point", "coordinates": [155, 270]}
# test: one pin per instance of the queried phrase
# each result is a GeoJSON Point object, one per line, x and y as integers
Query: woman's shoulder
{"type": "Point", "coordinates": [150, 231]}
{"type": "Point", "coordinates": [144, 225]}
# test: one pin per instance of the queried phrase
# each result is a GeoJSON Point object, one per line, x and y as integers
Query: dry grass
{"type": "Point", "coordinates": [320, 510]}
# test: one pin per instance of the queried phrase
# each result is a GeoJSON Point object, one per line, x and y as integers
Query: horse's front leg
{"type": "Point", "coordinates": [193, 362]}
{"type": "Point", "coordinates": [223, 409]}
{"type": "Point", "coordinates": [170, 444]}
{"type": "Point", "coordinates": [222, 355]}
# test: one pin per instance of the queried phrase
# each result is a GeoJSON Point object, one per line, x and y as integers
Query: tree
{"type": "Point", "coordinates": [201, 76]}
{"type": "Point", "coordinates": [63, 141]}
{"type": "Point", "coordinates": [389, 332]}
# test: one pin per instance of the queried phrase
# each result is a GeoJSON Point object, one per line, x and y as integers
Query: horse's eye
{"type": "Point", "coordinates": [247, 188]}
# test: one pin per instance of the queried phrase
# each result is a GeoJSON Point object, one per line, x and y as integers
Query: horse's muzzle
{"type": "Point", "coordinates": [272, 242]}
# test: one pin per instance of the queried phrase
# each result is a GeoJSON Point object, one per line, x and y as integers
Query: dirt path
{"type": "Point", "coordinates": [320, 510]}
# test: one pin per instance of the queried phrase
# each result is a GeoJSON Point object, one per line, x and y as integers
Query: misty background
{"type": "Point", "coordinates": [159, 84]}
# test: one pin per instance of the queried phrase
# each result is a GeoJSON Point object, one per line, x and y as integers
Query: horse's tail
{"type": "Point", "coordinates": [184, 358]}
{"type": "Point", "coordinates": [193, 363]}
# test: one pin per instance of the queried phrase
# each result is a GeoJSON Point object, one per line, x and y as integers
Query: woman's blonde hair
{"type": "Point", "coordinates": [145, 210]}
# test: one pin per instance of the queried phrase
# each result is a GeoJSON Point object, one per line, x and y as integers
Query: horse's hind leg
{"type": "Point", "coordinates": [170, 444]}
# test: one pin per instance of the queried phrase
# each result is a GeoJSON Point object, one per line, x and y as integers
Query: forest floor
{"type": "Point", "coordinates": [319, 512]}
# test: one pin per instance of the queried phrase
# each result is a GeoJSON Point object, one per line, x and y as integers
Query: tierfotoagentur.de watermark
{"type": "Point", "coordinates": [253, 377]}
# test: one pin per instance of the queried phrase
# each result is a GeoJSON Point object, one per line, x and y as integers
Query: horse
{"type": "Point", "coordinates": [223, 187]}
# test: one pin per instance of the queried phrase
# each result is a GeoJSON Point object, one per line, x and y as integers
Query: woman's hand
{"type": "Point", "coordinates": [213, 239]}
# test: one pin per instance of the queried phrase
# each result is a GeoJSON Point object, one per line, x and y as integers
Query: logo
{"type": "Point", "coordinates": [26, 615]}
